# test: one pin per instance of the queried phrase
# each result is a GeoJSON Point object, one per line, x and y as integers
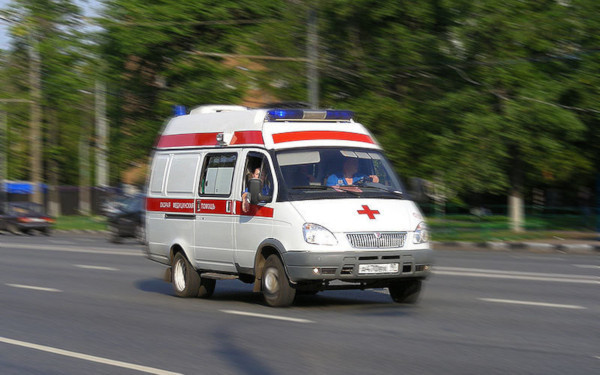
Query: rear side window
{"type": "Point", "coordinates": [217, 174]}
{"type": "Point", "coordinates": [158, 173]}
{"type": "Point", "coordinates": [182, 174]}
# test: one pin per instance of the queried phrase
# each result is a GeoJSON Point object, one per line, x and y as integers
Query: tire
{"type": "Point", "coordinates": [185, 279]}
{"type": "Point", "coordinates": [140, 234]}
{"type": "Point", "coordinates": [113, 234]}
{"type": "Point", "coordinates": [207, 287]}
{"type": "Point", "coordinates": [405, 291]}
{"type": "Point", "coordinates": [276, 287]}
{"type": "Point", "coordinates": [12, 228]}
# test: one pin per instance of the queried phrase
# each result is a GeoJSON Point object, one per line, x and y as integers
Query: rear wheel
{"type": "Point", "coordinates": [12, 228]}
{"type": "Point", "coordinates": [207, 287]}
{"type": "Point", "coordinates": [140, 233]}
{"type": "Point", "coordinates": [405, 291]}
{"type": "Point", "coordinates": [186, 281]}
{"type": "Point", "coordinates": [113, 234]}
{"type": "Point", "coordinates": [276, 287]}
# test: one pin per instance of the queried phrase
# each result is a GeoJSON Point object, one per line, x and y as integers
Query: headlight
{"type": "Point", "coordinates": [421, 234]}
{"type": "Point", "coordinates": [318, 235]}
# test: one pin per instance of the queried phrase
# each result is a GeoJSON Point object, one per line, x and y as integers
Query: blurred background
{"type": "Point", "coordinates": [487, 109]}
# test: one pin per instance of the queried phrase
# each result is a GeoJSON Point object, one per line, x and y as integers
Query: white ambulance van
{"type": "Point", "coordinates": [291, 200]}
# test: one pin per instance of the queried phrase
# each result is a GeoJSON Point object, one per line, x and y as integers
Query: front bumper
{"type": "Point", "coordinates": [301, 265]}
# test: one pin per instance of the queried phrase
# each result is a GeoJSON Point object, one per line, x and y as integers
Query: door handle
{"type": "Point", "coordinates": [228, 206]}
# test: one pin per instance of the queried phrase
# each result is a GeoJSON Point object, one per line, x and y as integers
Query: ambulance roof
{"type": "Point", "coordinates": [236, 126]}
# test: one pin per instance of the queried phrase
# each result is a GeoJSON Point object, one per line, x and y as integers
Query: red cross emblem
{"type": "Point", "coordinates": [367, 211]}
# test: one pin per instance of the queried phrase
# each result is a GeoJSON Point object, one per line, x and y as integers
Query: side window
{"type": "Point", "coordinates": [257, 166]}
{"type": "Point", "coordinates": [217, 174]}
{"type": "Point", "coordinates": [182, 174]}
{"type": "Point", "coordinates": [158, 173]}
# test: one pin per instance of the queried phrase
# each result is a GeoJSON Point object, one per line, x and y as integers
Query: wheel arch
{"type": "Point", "coordinates": [266, 248]}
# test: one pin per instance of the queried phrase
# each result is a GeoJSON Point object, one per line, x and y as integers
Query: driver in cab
{"type": "Point", "coordinates": [349, 174]}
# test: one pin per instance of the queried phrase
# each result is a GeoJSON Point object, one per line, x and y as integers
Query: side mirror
{"type": "Point", "coordinates": [254, 188]}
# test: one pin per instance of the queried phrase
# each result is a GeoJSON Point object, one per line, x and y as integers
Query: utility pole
{"type": "Point", "coordinates": [53, 169]}
{"type": "Point", "coordinates": [101, 135]}
{"type": "Point", "coordinates": [35, 136]}
{"type": "Point", "coordinates": [84, 169]}
{"type": "Point", "coordinates": [312, 51]}
{"type": "Point", "coordinates": [3, 157]}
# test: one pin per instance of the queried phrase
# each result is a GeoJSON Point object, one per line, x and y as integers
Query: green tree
{"type": "Point", "coordinates": [150, 50]}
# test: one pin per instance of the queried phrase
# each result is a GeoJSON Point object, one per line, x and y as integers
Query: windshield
{"type": "Point", "coordinates": [324, 173]}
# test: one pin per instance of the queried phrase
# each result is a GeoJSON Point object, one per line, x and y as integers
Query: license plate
{"type": "Point", "coordinates": [371, 269]}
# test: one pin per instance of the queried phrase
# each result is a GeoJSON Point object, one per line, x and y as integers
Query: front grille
{"type": "Point", "coordinates": [376, 240]}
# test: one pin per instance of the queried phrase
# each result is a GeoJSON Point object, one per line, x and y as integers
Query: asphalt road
{"type": "Point", "coordinates": [79, 305]}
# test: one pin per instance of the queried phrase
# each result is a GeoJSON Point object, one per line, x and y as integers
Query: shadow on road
{"type": "Point", "coordinates": [366, 302]}
{"type": "Point", "coordinates": [154, 286]}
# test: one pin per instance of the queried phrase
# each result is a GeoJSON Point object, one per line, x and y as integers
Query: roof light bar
{"type": "Point", "coordinates": [179, 110]}
{"type": "Point", "coordinates": [306, 114]}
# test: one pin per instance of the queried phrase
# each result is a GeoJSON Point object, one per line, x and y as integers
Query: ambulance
{"type": "Point", "coordinates": [293, 201]}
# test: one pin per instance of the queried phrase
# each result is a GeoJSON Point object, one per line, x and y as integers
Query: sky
{"type": "Point", "coordinates": [89, 8]}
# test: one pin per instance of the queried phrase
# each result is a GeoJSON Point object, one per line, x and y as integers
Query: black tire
{"type": "Point", "coordinates": [46, 231]}
{"type": "Point", "coordinates": [140, 234]}
{"type": "Point", "coordinates": [276, 287]}
{"type": "Point", "coordinates": [12, 228]}
{"type": "Point", "coordinates": [207, 287]}
{"type": "Point", "coordinates": [405, 291]}
{"type": "Point", "coordinates": [113, 234]}
{"type": "Point", "coordinates": [185, 279]}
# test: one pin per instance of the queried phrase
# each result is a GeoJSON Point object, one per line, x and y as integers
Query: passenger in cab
{"type": "Point", "coordinates": [266, 187]}
{"type": "Point", "coordinates": [349, 174]}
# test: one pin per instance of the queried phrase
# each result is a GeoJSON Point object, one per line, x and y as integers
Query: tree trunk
{"type": "Point", "coordinates": [515, 208]}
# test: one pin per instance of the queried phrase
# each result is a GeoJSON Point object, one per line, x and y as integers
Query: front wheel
{"type": "Point", "coordinates": [276, 287]}
{"type": "Point", "coordinates": [405, 291]}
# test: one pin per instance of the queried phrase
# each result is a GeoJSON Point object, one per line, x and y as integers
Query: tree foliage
{"type": "Point", "coordinates": [492, 96]}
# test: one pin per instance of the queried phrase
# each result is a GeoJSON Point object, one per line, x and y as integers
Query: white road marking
{"type": "Point", "coordinates": [96, 267]}
{"type": "Point", "coordinates": [87, 357]}
{"type": "Point", "coordinates": [34, 288]}
{"type": "Point", "coordinates": [532, 303]}
{"type": "Point", "coordinates": [587, 266]}
{"type": "Point", "coordinates": [494, 274]}
{"type": "Point", "coordinates": [97, 250]}
{"type": "Point", "coordinates": [62, 242]}
{"type": "Point", "coordinates": [296, 320]}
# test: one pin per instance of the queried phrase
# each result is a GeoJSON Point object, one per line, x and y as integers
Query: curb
{"type": "Point", "coordinates": [80, 231]}
{"type": "Point", "coordinates": [535, 247]}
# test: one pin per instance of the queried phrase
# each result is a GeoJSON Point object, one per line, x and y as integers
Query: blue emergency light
{"type": "Point", "coordinates": [308, 114]}
{"type": "Point", "coordinates": [179, 110]}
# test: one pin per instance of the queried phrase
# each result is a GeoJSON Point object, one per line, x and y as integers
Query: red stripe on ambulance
{"type": "Point", "coordinates": [250, 137]}
{"type": "Point", "coordinates": [253, 210]}
{"type": "Point", "coordinates": [321, 135]}
{"type": "Point", "coordinates": [170, 205]}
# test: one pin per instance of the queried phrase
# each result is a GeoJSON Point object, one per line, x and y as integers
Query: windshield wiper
{"type": "Point", "coordinates": [312, 187]}
{"type": "Point", "coordinates": [326, 187]}
{"type": "Point", "coordinates": [373, 185]}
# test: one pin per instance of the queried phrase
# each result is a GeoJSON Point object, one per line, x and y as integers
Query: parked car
{"type": "Point", "coordinates": [127, 220]}
{"type": "Point", "coordinates": [24, 217]}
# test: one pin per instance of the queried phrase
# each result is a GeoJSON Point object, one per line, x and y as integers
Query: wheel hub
{"type": "Point", "coordinates": [179, 276]}
{"type": "Point", "coordinates": [271, 281]}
